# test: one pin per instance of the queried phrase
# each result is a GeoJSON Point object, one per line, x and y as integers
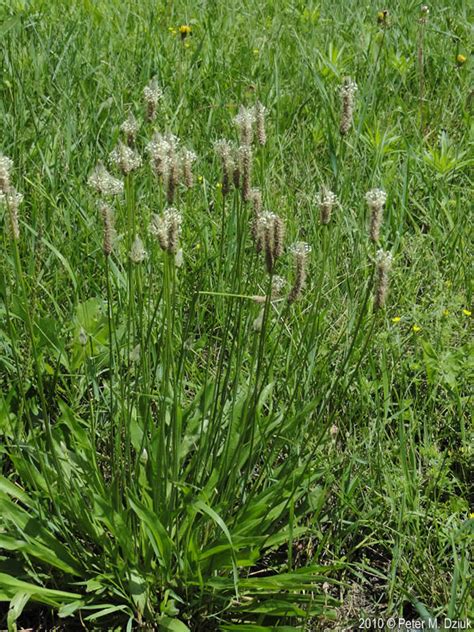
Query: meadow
{"type": "Point", "coordinates": [236, 356]}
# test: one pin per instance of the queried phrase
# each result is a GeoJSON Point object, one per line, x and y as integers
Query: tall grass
{"type": "Point", "coordinates": [186, 444]}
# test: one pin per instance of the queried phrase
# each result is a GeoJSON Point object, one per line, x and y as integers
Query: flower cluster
{"type": "Point", "coordinates": [376, 199]}
{"type": "Point", "coordinates": [167, 229]}
{"type": "Point", "coordinates": [104, 183]}
{"type": "Point", "coordinates": [348, 90]}
{"type": "Point", "coordinates": [326, 200]}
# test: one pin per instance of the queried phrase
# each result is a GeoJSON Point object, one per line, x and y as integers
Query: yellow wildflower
{"type": "Point", "coordinates": [219, 185]}
{"type": "Point", "coordinates": [200, 179]}
{"type": "Point", "coordinates": [461, 60]}
{"type": "Point", "coordinates": [396, 319]}
{"type": "Point", "coordinates": [466, 312]}
{"type": "Point", "coordinates": [185, 30]}
{"type": "Point", "coordinates": [416, 328]}
{"type": "Point", "coordinates": [445, 312]}
{"type": "Point", "coordinates": [382, 17]}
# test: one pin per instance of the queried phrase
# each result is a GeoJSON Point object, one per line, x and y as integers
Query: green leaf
{"type": "Point", "coordinates": [201, 506]}
{"type": "Point", "coordinates": [10, 586]}
{"type": "Point", "coordinates": [16, 608]}
{"type": "Point", "coordinates": [173, 625]}
{"type": "Point", "coordinates": [157, 535]}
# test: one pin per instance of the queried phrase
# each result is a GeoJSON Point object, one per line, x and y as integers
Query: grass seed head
{"type": "Point", "coordinates": [188, 157]}
{"type": "Point", "coordinates": [244, 121]}
{"type": "Point", "coordinates": [300, 251]}
{"type": "Point", "coordinates": [167, 229]}
{"type": "Point", "coordinates": [383, 263]}
{"type": "Point", "coordinates": [6, 165]}
{"type": "Point", "coordinates": [12, 200]}
{"type": "Point", "coordinates": [138, 254]}
{"type": "Point", "coordinates": [223, 148]}
{"type": "Point", "coordinates": [348, 90]}
{"type": "Point", "coordinates": [152, 93]}
{"type": "Point", "coordinates": [130, 128]}
{"type": "Point", "coordinates": [109, 231]}
{"type": "Point", "coordinates": [376, 199]}
{"type": "Point", "coordinates": [101, 181]}
{"type": "Point", "coordinates": [245, 161]}
{"type": "Point", "coordinates": [326, 200]}
{"type": "Point", "coordinates": [269, 237]}
{"type": "Point", "coordinates": [125, 159]}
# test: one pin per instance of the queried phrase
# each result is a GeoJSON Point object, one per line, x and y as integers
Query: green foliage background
{"type": "Point", "coordinates": [243, 504]}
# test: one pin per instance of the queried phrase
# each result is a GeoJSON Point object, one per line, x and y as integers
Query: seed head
{"type": "Point", "coordinates": [376, 199]}
{"type": "Point", "coordinates": [6, 165]}
{"type": "Point", "coordinates": [259, 113]}
{"type": "Point", "coordinates": [12, 200]}
{"type": "Point", "coordinates": [109, 231]}
{"type": "Point", "coordinates": [245, 160]}
{"type": "Point", "coordinates": [326, 200]}
{"type": "Point", "coordinates": [130, 128]}
{"type": "Point", "coordinates": [101, 181]}
{"type": "Point", "coordinates": [125, 158]}
{"type": "Point", "coordinates": [223, 148]}
{"type": "Point", "coordinates": [270, 233]}
{"type": "Point", "coordinates": [138, 254]}
{"type": "Point", "coordinates": [188, 157]}
{"type": "Point", "coordinates": [278, 283]}
{"type": "Point", "coordinates": [300, 251]}
{"type": "Point", "coordinates": [244, 122]}
{"type": "Point", "coordinates": [158, 149]}
{"type": "Point", "coordinates": [348, 90]}
{"type": "Point", "coordinates": [167, 229]}
{"type": "Point", "coordinates": [383, 263]}
{"type": "Point", "coordinates": [152, 93]}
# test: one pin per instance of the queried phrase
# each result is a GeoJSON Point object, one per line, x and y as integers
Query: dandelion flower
{"type": "Point", "coordinates": [461, 60]}
{"type": "Point", "coordinates": [467, 312]}
{"type": "Point", "coordinates": [382, 17]}
{"type": "Point", "coordinates": [185, 30]}
{"type": "Point", "coordinates": [416, 328]}
{"type": "Point", "coordinates": [396, 319]}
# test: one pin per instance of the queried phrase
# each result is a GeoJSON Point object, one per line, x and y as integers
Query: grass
{"type": "Point", "coordinates": [174, 454]}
